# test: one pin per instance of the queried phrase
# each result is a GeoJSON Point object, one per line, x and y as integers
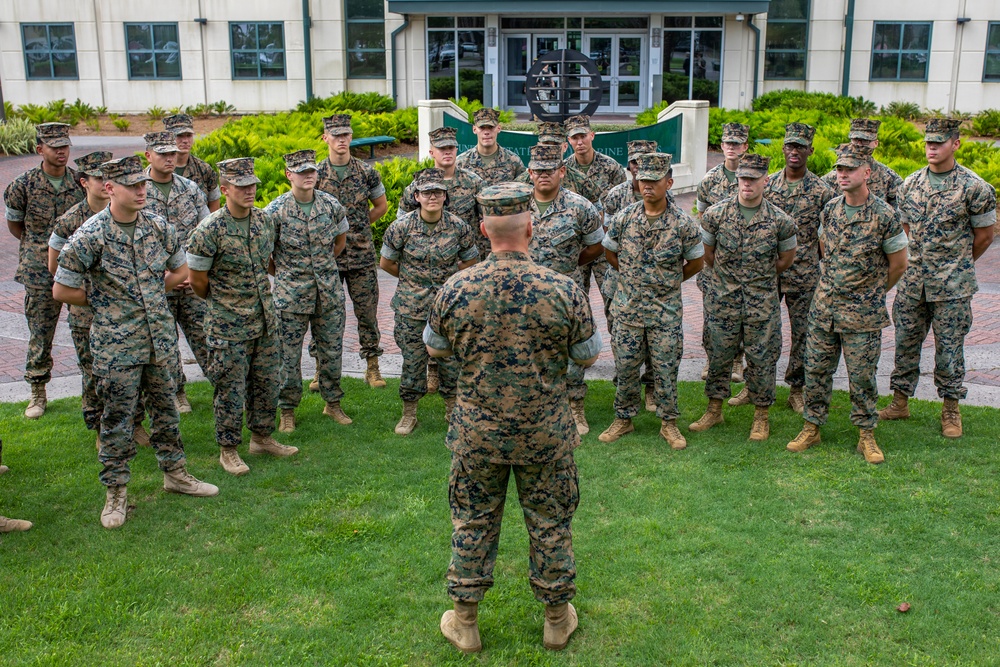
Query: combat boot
{"type": "Point", "coordinates": [650, 398]}
{"type": "Point", "coordinates": [807, 437]}
{"type": "Point", "coordinates": [335, 412]}
{"type": "Point", "coordinates": [672, 434]}
{"type": "Point", "coordinates": [560, 622]}
{"type": "Point", "coordinates": [287, 422]}
{"type": "Point", "coordinates": [618, 428]}
{"type": "Point", "coordinates": [140, 435]}
{"type": "Point", "coordinates": [314, 383]}
{"type": "Point", "coordinates": [231, 461]}
{"type": "Point", "coordinates": [449, 407]}
{"type": "Point", "coordinates": [408, 421]}
{"type": "Point", "coordinates": [796, 401]}
{"type": "Point", "coordinates": [737, 373]}
{"type": "Point", "coordinates": [742, 398]}
{"type": "Point", "coordinates": [580, 417]}
{"type": "Point", "coordinates": [265, 444]}
{"type": "Point", "coordinates": [39, 401]}
{"type": "Point", "coordinates": [181, 481]}
{"type": "Point", "coordinates": [704, 371]}
{"type": "Point", "coordinates": [712, 417]}
{"type": "Point", "coordinates": [868, 447]}
{"type": "Point", "coordinates": [373, 376]}
{"type": "Point", "coordinates": [951, 419]}
{"type": "Point", "coordinates": [115, 507]}
{"type": "Point", "coordinates": [13, 525]}
{"type": "Point", "coordinates": [183, 404]}
{"type": "Point", "coordinates": [433, 379]}
{"type": "Point", "coordinates": [761, 428]}
{"type": "Point", "coordinates": [97, 442]}
{"type": "Point", "coordinates": [461, 627]}
{"type": "Point", "coordinates": [898, 409]}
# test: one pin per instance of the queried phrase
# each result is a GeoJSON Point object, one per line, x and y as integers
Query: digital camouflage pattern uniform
{"type": "Point", "coordinates": [241, 326]}
{"type": "Point", "coordinates": [513, 326]}
{"type": "Point", "coordinates": [462, 191]}
{"type": "Point", "coordinates": [503, 166]}
{"type": "Point", "coordinates": [196, 169]}
{"type": "Point", "coordinates": [884, 182]}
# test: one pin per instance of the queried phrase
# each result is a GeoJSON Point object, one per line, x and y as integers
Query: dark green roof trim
{"type": "Point", "coordinates": [577, 7]}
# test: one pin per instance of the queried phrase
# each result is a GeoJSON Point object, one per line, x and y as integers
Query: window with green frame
{"type": "Point", "coordinates": [258, 50]}
{"type": "Point", "coordinates": [787, 42]}
{"type": "Point", "coordinates": [991, 68]}
{"type": "Point", "coordinates": [365, 27]}
{"type": "Point", "coordinates": [900, 51]}
{"type": "Point", "coordinates": [49, 51]}
{"type": "Point", "coordinates": [153, 51]}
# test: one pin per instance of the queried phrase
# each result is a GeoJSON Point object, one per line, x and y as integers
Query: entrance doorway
{"type": "Point", "coordinates": [520, 51]}
{"type": "Point", "coordinates": [621, 61]}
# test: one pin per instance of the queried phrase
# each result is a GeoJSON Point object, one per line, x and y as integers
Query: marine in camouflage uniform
{"type": "Point", "coordinates": [132, 336]}
{"type": "Point", "coordinates": [191, 166]}
{"type": "Point", "coordinates": [884, 182]}
{"type": "Point", "coordinates": [228, 254]}
{"type": "Point", "coordinates": [499, 166]}
{"type": "Point", "coordinates": [513, 326]}
{"type": "Point", "coordinates": [864, 253]}
{"type": "Point", "coordinates": [309, 234]}
{"type": "Point", "coordinates": [949, 212]}
{"type": "Point", "coordinates": [655, 246]}
{"type": "Point", "coordinates": [358, 187]}
{"type": "Point", "coordinates": [34, 201]}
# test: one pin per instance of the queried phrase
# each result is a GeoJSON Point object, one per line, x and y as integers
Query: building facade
{"type": "Point", "coordinates": [267, 56]}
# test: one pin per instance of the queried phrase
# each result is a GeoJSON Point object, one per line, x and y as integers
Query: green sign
{"type": "Point", "coordinates": [666, 134]}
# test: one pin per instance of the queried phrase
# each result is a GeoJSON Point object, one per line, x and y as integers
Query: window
{"type": "Point", "coordinates": [49, 51]}
{"type": "Point", "coordinates": [900, 51]}
{"type": "Point", "coordinates": [365, 39]}
{"type": "Point", "coordinates": [153, 51]}
{"type": "Point", "coordinates": [692, 58]}
{"type": "Point", "coordinates": [455, 51]}
{"type": "Point", "coordinates": [991, 70]}
{"type": "Point", "coordinates": [787, 39]}
{"type": "Point", "coordinates": [258, 50]}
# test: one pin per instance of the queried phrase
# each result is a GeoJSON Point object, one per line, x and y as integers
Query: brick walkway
{"type": "Point", "coordinates": [982, 344]}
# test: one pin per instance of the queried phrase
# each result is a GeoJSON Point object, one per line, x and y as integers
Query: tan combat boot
{"type": "Point", "coordinates": [712, 417]}
{"type": "Point", "coordinates": [373, 376]}
{"type": "Point", "coordinates": [650, 398]}
{"type": "Point", "coordinates": [672, 434]}
{"type": "Point", "coordinates": [265, 444]}
{"type": "Point", "coordinates": [461, 627]}
{"type": "Point", "coordinates": [796, 401]}
{"type": "Point", "coordinates": [433, 379]}
{"type": "Point", "coordinates": [807, 437]}
{"type": "Point", "coordinates": [868, 447]}
{"type": "Point", "coordinates": [286, 424]}
{"type": "Point", "coordinates": [580, 417]}
{"type": "Point", "coordinates": [115, 507]}
{"type": "Point", "coordinates": [704, 371]}
{"type": "Point", "coordinates": [449, 407]}
{"type": "Point", "coordinates": [408, 421]}
{"type": "Point", "coordinates": [560, 622]}
{"type": "Point", "coordinates": [618, 428]}
{"type": "Point", "coordinates": [742, 398]}
{"type": "Point", "coordinates": [314, 383]}
{"type": "Point", "coordinates": [898, 409]}
{"type": "Point", "coordinates": [231, 461]}
{"type": "Point", "coordinates": [737, 373]}
{"type": "Point", "coordinates": [761, 428]}
{"type": "Point", "coordinates": [140, 435]}
{"type": "Point", "coordinates": [183, 404]}
{"type": "Point", "coordinates": [951, 419]}
{"type": "Point", "coordinates": [39, 401]}
{"type": "Point", "coordinates": [181, 481]}
{"type": "Point", "coordinates": [13, 525]}
{"type": "Point", "coordinates": [335, 412]}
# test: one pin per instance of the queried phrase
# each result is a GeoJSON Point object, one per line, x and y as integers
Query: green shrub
{"type": "Point", "coordinates": [649, 116]}
{"type": "Point", "coordinates": [904, 110]}
{"type": "Point", "coordinates": [396, 174]}
{"type": "Point", "coordinates": [987, 123]}
{"type": "Point", "coordinates": [37, 114]}
{"type": "Point", "coordinates": [830, 104]}
{"type": "Point", "coordinates": [221, 108]}
{"type": "Point", "coordinates": [17, 136]}
{"type": "Point", "coordinates": [156, 112]}
{"type": "Point", "coordinates": [8, 110]}
{"type": "Point", "coordinates": [122, 124]}
{"type": "Point", "coordinates": [348, 101]}
{"type": "Point", "coordinates": [78, 112]}
{"type": "Point", "coordinates": [472, 106]}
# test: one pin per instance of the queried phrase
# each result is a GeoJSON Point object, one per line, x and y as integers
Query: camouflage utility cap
{"type": "Point", "coordinates": [505, 199]}
{"type": "Point", "coordinates": [179, 123]}
{"type": "Point", "coordinates": [125, 171]}
{"type": "Point", "coordinates": [653, 166]}
{"type": "Point", "coordinates": [544, 156]}
{"type": "Point", "coordinates": [238, 171]}
{"type": "Point", "coordinates": [160, 142]}
{"type": "Point", "coordinates": [799, 133]}
{"type": "Point", "coordinates": [551, 133]}
{"type": "Point", "coordinates": [735, 133]}
{"type": "Point", "coordinates": [939, 129]}
{"type": "Point", "coordinates": [486, 117]}
{"type": "Point", "coordinates": [429, 179]}
{"type": "Point", "coordinates": [864, 128]}
{"type": "Point", "coordinates": [577, 125]}
{"type": "Point", "coordinates": [338, 123]}
{"type": "Point", "coordinates": [55, 135]}
{"type": "Point", "coordinates": [851, 156]}
{"type": "Point", "coordinates": [299, 161]}
{"type": "Point", "coordinates": [90, 164]}
{"type": "Point", "coordinates": [640, 146]}
{"type": "Point", "coordinates": [444, 137]}
{"type": "Point", "coordinates": [752, 165]}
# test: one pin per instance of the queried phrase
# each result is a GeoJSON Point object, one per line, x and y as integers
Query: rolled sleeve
{"type": "Point", "coordinates": [694, 252]}
{"type": "Point", "coordinates": [376, 192]}
{"type": "Point", "coordinates": [594, 236]}
{"type": "Point", "coordinates": [987, 219]}
{"type": "Point", "coordinates": [69, 278]}
{"type": "Point", "coordinates": [435, 340]}
{"type": "Point", "coordinates": [469, 254]}
{"type": "Point", "coordinates": [586, 350]}
{"type": "Point", "coordinates": [343, 227]}
{"type": "Point", "coordinates": [177, 260]}
{"type": "Point", "coordinates": [14, 215]}
{"type": "Point", "coordinates": [57, 242]}
{"type": "Point", "coordinates": [708, 238]}
{"type": "Point", "coordinates": [215, 194]}
{"type": "Point", "coordinates": [610, 243]}
{"type": "Point", "coordinates": [198, 263]}
{"type": "Point", "coordinates": [390, 253]}
{"type": "Point", "coordinates": [895, 244]}
{"type": "Point", "coordinates": [788, 244]}
{"type": "Point", "coordinates": [701, 204]}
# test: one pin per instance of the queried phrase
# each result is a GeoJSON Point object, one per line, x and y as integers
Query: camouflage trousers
{"type": "Point", "coordinates": [362, 285]}
{"type": "Point", "coordinates": [413, 378]}
{"type": "Point", "coordinates": [822, 356]}
{"type": "Point", "coordinates": [189, 315]}
{"type": "Point", "coordinates": [660, 348]}
{"type": "Point", "coordinates": [704, 282]}
{"type": "Point", "coordinates": [119, 392]}
{"type": "Point", "coordinates": [797, 304]}
{"type": "Point", "coordinates": [607, 283]}
{"type": "Point", "coordinates": [42, 313]}
{"type": "Point", "coordinates": [244, 374]}
{"type": "Point", "coordinates": [951, 322]}
{"type": "Point", "coordinates": [328, 335]}
{"type": "Point", "coordinates": [548, 493]}
{"type": "Point", "coordinates": [761, 341]}
{"type": "Point", "coordinates": [91, 403]}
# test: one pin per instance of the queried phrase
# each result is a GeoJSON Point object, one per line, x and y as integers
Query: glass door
{"type": "Point", "coordinates": [620, 61]}
{"type": "Point", "coordinates": [520, 52]}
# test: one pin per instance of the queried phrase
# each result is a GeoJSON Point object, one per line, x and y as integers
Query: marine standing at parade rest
{"type": "Point", "coordinates": [749, 242]}
{"type": "Point", "coordinates": [488, 159]}
{"type": "Point", "coordinates": [229, 254]}
{"type": "Point", "coordinates": [864, 254]}
{"type": "Point", "coordinates": [884, 182]}
{"type": "Point", "coordinates": [512, 326]}
{"type": "Point", "coordinates": [802, 195]}
{"type": "Point", "coordinates": [567, 234]}
{"type": "Point", "coordinates": [181, 203]}
{"type": "Point", "coordinates": [949, 213]}
{"type": "Point", "coordinates": [358, 187]}
{"type": "Point", "coordinates": [310, 233]}
{"type": "Point", "coordinates": [654, 246]}
{"type": "Point", "coordinates": [129, 259]}
{"type": "Point", "coordinates": [34, 202]}
{"type": "Point", "coordinates": [423, 248]}
{"type": "Point", "coordinates": [190, 166]}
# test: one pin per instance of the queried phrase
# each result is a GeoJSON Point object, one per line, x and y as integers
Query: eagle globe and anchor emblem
{"type": "Point", "coordinates": [561, 84]}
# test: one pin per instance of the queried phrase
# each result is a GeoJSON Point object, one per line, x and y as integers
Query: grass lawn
{"type": "Point", "coordinates": [726, 553]}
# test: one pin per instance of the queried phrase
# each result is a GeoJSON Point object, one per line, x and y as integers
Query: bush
{"type": "Point", "coordinates": [904, 110]}
{"type": "Point", "coordinates": [987, 123]}
{"type": "Point", "coordinates": [472, 106]}
{"type": "Point", "coordinates": [649, 116]}
{"type": "Point", "coordinates": [348, 101]}
{"type": "Point", "coordinates": [17, 136]}
{"type": "Point", "coordinates": [845, 107]}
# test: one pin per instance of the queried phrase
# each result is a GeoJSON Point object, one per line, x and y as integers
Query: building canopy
{"type": "Point", "coordinates": [585, 7]}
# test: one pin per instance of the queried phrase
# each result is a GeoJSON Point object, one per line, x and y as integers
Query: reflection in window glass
{"type": "Point", "coordinates": [787, 40]}
{"type": "Point", "coordinates": [49, 50]}
{"type": "Point", "coordinates": [365, 38]}
{"type": "Point", "coordinates": [692, 63]}
{"type": "Point", "coordinates": [258, 50]}
{"type": "Point", "coordinates": [153, 51]}
{"type": "Point", "coordinates": [900, 51]}
{"type": "Point", "coordinates": [455, 59]}
{"type": "Point", "coordinates": [991, 68]}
